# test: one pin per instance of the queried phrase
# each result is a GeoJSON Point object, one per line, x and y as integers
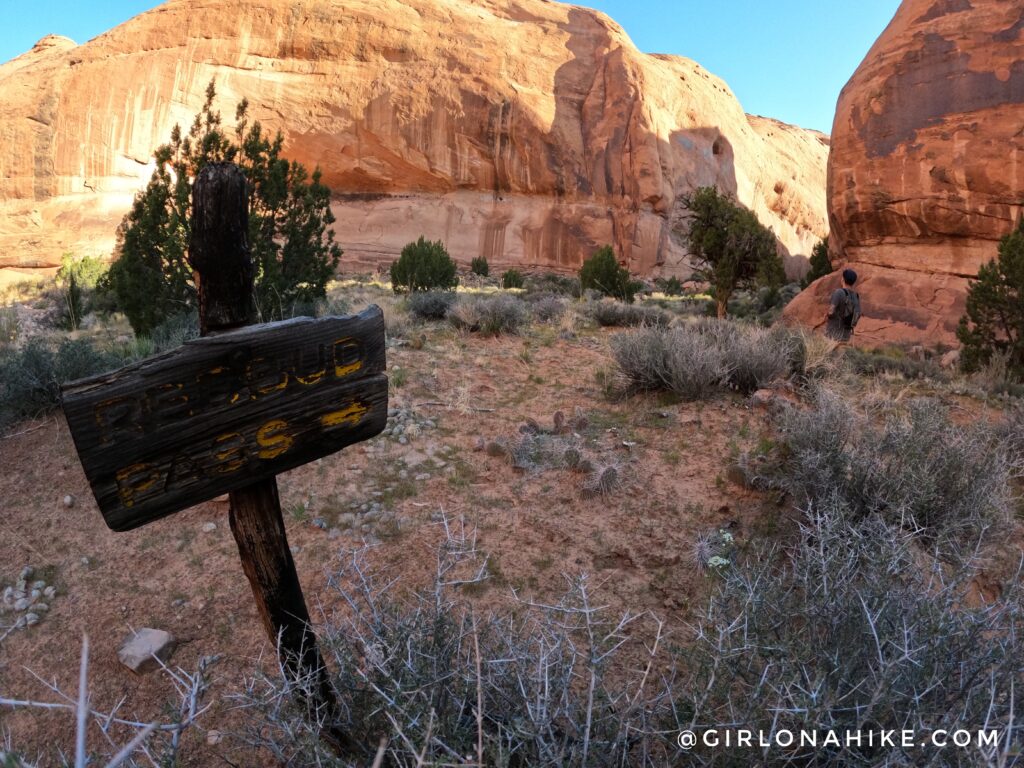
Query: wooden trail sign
{"type": "Point", "coordinates": [221, 412]}
{"type": "Point", "coordinates": [229, 411]}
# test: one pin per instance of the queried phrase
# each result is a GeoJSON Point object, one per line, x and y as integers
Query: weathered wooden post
{"type": "Point", "coordinates": [227, 413]}
{"type": "Point", "coordinates": [224, 275]}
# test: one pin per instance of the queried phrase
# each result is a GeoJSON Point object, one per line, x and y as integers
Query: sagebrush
{"type": "Point", "coordinates": [491, 315]}
{"type": "Point", "coordinates": [616, 314]}
{"type": "Point", "coordinates": [698, 358]}
{"type": "Point", "coordinates": [430, 305]}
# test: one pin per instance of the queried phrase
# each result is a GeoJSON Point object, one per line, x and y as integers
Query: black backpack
{"type": "Point", "coordinates": [847, 309]}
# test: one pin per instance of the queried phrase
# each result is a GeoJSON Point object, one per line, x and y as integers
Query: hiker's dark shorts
{"type": "Point", "coordinates": [837, 329]}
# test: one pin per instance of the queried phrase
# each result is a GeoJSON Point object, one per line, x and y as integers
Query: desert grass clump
{"type": "Point", "coordinates": [815, 357]}
{"type": "Point", "coordinates": [893, 361]}
{"type": "Point", "coordinates": [490, 315]}
{"type": "Point", "coordinates": [430, 305]}
{"type": "Point", "coordinates": [610, 313]}
{"type": "Point", "coordinates": [427, 679]}
{"type": "Point", "coordinates": [175, 331]}
{"type": "Point", "coordinates": [854, 628]}
{"type": "Point", "coordinates": [10, 326]}
{"type": "Point", "coordinates": [907, 465]}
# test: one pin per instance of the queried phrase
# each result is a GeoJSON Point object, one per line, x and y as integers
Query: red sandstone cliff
{"type": "Point", "coordinates": [926, 170]}
{"type": "Point", "coordinates": [527, 131]}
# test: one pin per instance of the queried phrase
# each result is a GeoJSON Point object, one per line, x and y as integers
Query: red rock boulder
{"type": "Point", "coordinates": [926, 169]}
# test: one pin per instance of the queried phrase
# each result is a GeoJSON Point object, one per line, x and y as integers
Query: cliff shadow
{"type": "Point", "coordinates": [606, 154]}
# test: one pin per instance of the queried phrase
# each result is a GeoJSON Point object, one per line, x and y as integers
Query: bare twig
{"type": "Point", "coordinates": [190, 688]}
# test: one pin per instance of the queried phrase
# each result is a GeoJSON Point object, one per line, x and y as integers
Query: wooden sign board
{"type": "Point", "coordinates": [224, 411]}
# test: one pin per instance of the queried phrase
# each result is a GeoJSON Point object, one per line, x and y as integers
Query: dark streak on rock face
{"type": "Point", "coordinates": [914, 99]}
{"type": "Point", "coordinates": [944, 8]}
{"type": "Point", "coordinates": [1012, 32]}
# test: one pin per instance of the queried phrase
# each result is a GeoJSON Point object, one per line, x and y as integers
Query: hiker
{"type": "Point", "coordinates": [844, 309]}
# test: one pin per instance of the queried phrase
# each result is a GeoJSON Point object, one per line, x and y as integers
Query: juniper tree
{"type": "Point", "coordinates": [994, 320]}
{"type": "Point", "coordinates": [821, 264]}
{"type": "Point", "coordinates": [289, 223]}
{"type": "Point", "coordinates": [603, 273]}
{"type": "Point", "coordinates": [731, 247]}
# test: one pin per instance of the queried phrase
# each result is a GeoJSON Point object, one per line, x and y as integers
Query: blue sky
{"type": "Point", "coordinates": [785, 58]}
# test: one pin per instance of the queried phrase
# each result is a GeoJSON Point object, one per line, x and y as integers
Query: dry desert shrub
{"type": "Point", "coordinates": [546, 307]}
{"type": "Point", "coordinates": [855, 628]}
{"type": "Point", "coordinates": [818, 360]}
{"type": "Point", "coordinates": [907, 464]}
{"type": "Point", "coordinates": [424, 679]}
{"type": "Point", "coordinates": [756, 356]}
{"type": "Point", "coordinates": [129, 743]}
{"type": "Point", "coordinates": [699, 358]}
{"type": "Point", "coordinates": [612, 313]}
{"type": "Point", "coordinates": [430, 305]}
{"type": "Point", "coordinates": [490, 315]}
{"type": "Point", "coordinates": [30, 377]}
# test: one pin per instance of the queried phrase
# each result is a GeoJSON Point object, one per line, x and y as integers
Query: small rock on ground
{"type": "Point", "coordinates": [138, 650]}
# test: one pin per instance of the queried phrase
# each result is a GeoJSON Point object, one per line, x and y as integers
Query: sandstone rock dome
{"type": "Point", "coordinates": [926, 170]}
{"type": "Point", "coordinates": [527, 131]}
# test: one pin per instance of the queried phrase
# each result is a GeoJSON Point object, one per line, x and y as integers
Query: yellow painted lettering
{"type": "Point", "coordinates": [265, 377]}
{"type": "Point", "coordinates": [312, 378]}
{"type": "Point", "coordinates": [318, 368]}
{"type": "Point", "coordinates": [213, 387]}
{"type": "Point", "coordinates": [135, 480]}
{"type": "Point", "coordinates": [272, 439]}
{"type": "Point", "coordinates": [350, 415]}
{"type": "Point", "coordinates": [229, 451]}
{"type": "Point", "coordinates": [348, 357]}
